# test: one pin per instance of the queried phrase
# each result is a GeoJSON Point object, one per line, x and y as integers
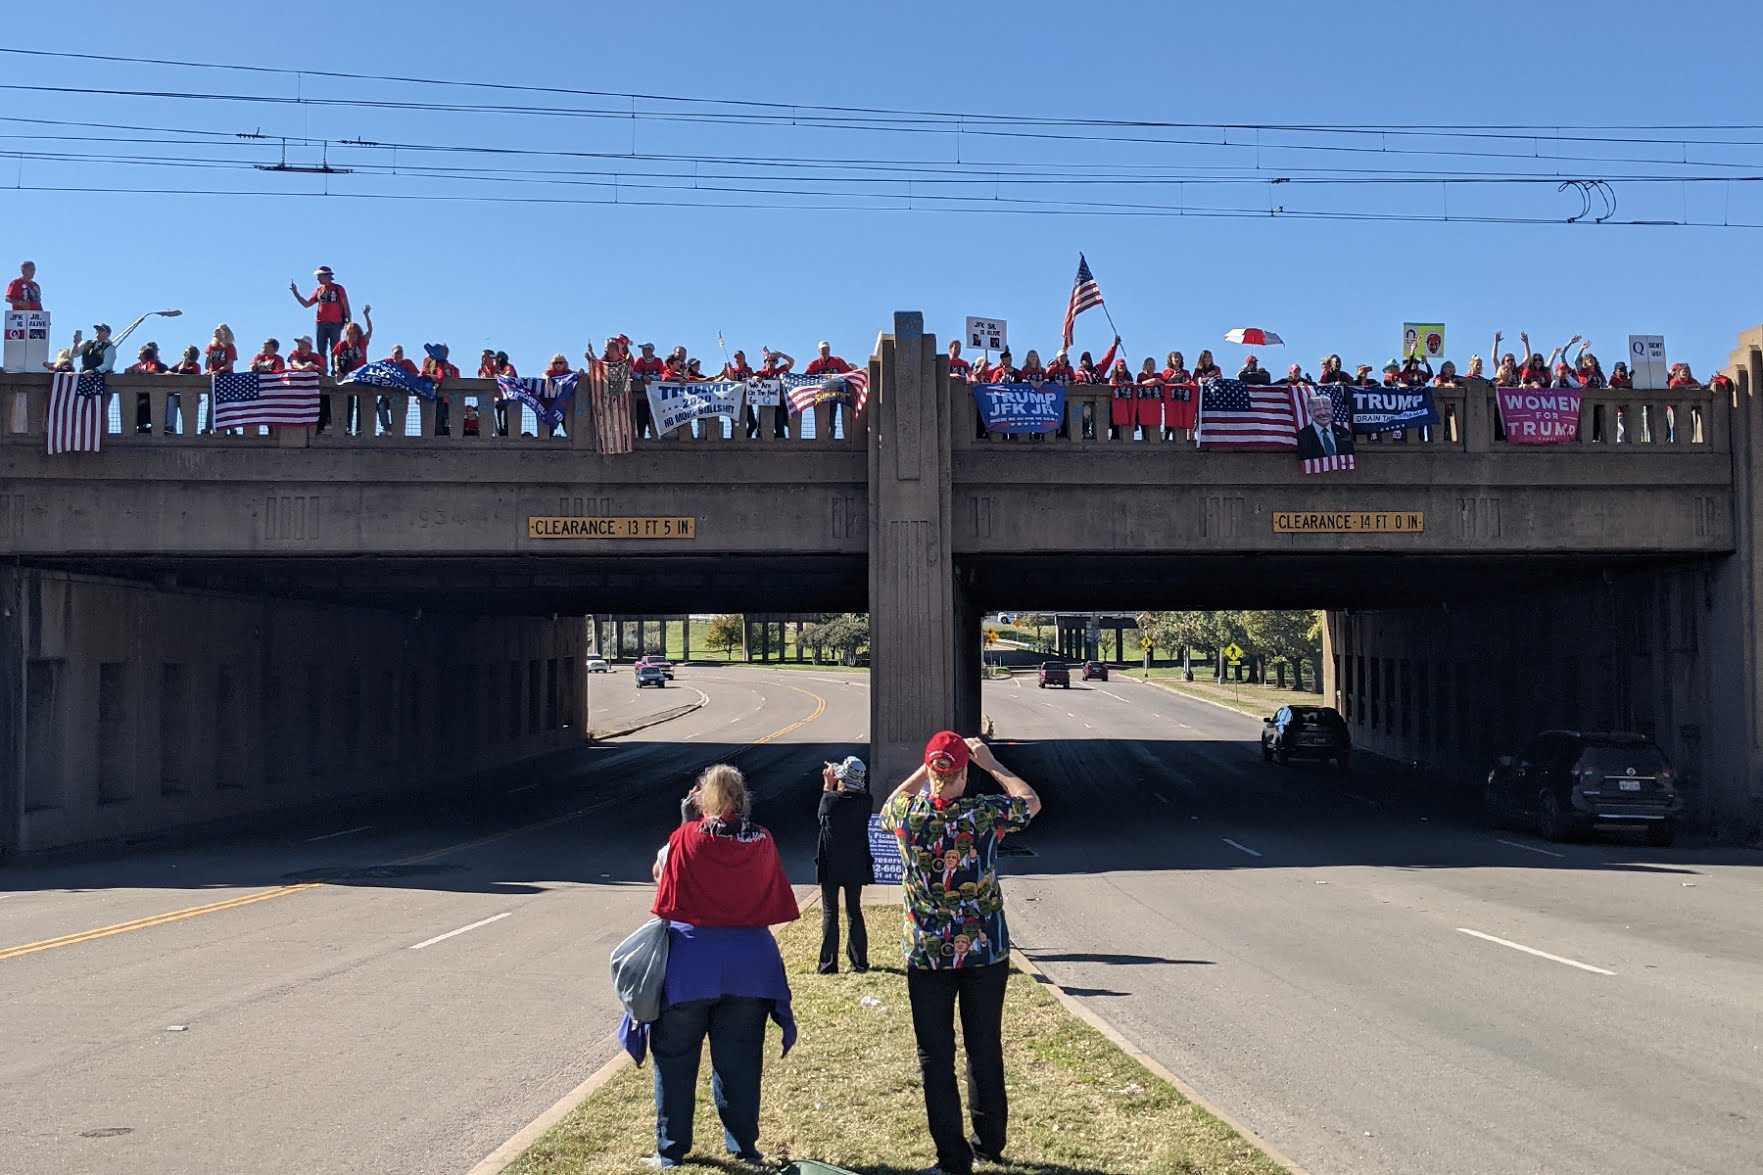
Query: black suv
{"type": "Point", "coordinates": [1564, 782]}
{"type": "Point", "coordinates": [1306, 732]}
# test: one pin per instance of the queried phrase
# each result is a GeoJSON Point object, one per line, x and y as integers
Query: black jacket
{"type": "Point", "coordinates": [842, 855]}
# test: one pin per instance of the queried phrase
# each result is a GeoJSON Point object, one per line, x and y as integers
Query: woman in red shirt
{"type": "Point", "coordinates": [1123, 410]}
{"type": "Point", "coordinates": [1060, 371]}
{"type": "Point", "coordinates": [269, 360]}
{"type": "Point", "coordinates": [1032, 372]}
{"type": "Point", "coordinates": [221, 354]}
{"type": "Point", "coordinates": [1150, 399]}
{"type": "Point", "coordinates": [148, 362]}
{"type": "Point", "coordinates": [559, 367]}
{"type": "Point", "coordinates": [1620, 377]}
{"type": "Point", "coordinates": [1205, 368]}
{"type": "Point", "coordinates": [486, 365]}
{"type": "Point", "coordinates": [349, 354]}
{"type": "Point", "coordinates": [1178, 397]}
{"type": "Point", "coordinates": [1681, 377]}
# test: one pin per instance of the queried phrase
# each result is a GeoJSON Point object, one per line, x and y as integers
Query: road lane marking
{"type": "Point", "coordinates": [1087, 726]}
{"type": "Point", "coordinates": [429, 942]}
{"type": "Point", "coordinates": [1161, 796]}
{"type": "Point", "coordinates": [1154, 714]}
{"type": "Point", "coordinates": [67, 940]}
{"type": "Point", "coordinates": [1518, 946]}
{"type": "Point", "coordinates": [333, 835]}
{"type": "Point", "coordinates": [1116, 697]}
{"type": "Point", "coordinates": [1243, 848]}
{"type": "Point", "coordinates": [1184, 726]}
{"type": "Point", "coordinates": [524, 787]}
{"type": "Point", "coordinates": [1529, 848]}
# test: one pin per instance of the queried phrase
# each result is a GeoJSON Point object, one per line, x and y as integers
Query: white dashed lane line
{"type": "Point", "coordinates": [429, 942]}
{"type": "Point", "coordinates": [1518, 946]}
{"type": "Point", "coordinates": [1242, 848]}
{"type": "Point", "coordinates": [1530, 848]}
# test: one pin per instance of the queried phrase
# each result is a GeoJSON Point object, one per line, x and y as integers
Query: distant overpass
{"type": "Point", "coordinates": [1615, 578]}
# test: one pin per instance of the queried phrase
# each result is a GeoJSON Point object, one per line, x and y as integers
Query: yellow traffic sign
{"type": "Point", "coordinates": [1145, 642]}
{"type": "Point", "coordinates": [991, 636]}
{"type": "Point", "coordinates": [1233, 653]}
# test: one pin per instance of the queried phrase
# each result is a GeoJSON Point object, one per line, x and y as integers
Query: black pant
{"type": "Point", "coordinates": [980, 992]}
{"type": "Point", "coordinates": [858, 951]}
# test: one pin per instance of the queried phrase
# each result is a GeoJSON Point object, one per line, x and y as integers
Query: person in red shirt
{"type": "Point", "coordinates": [827, 363]}
{"type": "Point", "coordinates": [1005, 372]}
{"type": "Point", "coordinates": [646, 365]}
{"type": "Point", "coordinates": [221, 355]}
{"type": "Point", "coordinates": [736, 368]}
{"type": "Point", "coordinates": [349, 353]}
{"type": "Point", "coordinates": [1180, 406]}
{"type": "Point", "coordinates": [147, 362]}
{"type": "Point", "coordinates": [1150, 399]}
{"type": "Point", "coordinates": [269, 361]}
{"type": "Point", "coordinates": [959, 368]}
{"type": "Point", "coordinates": [23, 293]}
{"type": "Point", "coordinates": [486, 364]}
{"type": "Point", "coordinates": [1681, 377]}
{"type": "Point", "coordinates": [399, 360]}
{"type": "Point", "coordinates": [1060, 371]}
{"type": "Point", "coordinates": [675, 366]}
{"type": "Point", "coordinates": [436, 367]}
{"type": "Point", "coordinates": [1032, 372]}
{"type": "Point", "coordinates": [776, 365]}
{"type": "Point", "coordinates": [1122, 410]}
{"type": "Point", "coordinates": [1205, 367]}
{"type": "Point", "coordinates": [303, 357]}
{"type": "Point", "coordinates": [333, 308]}
{"type": "Point", "coordinates": [383, 402]}
{"type": "Point", "coordinates": [1620, 377]}
{"type": "Point", "coordinates": [190, 364]}
{"type": "Point", "coordinates": [501, 366]}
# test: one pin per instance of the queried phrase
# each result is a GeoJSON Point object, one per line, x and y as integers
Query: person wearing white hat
{"type": "Point", "coordinates": [332, 301]}
{"type": "Point", "coordinates": [842, 861]}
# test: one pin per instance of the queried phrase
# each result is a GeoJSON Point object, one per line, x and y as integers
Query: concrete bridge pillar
{"type": "Point", "coordinates": [924, 642]}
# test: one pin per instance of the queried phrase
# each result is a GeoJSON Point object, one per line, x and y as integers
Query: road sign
{"type": "Point", "coordinates": [1233, 653]}
{"type": "Point", "coordinates": [991, 636]}
{"type": "Point", "coordinates": [1145, 642]}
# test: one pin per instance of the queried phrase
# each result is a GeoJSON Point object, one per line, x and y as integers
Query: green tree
{"type": "Point", "coordinates": [846, 635]}
{"type": "Point", "coordinates": [1170, 631]}
{"type": "Point", "coordinates": [725, 633]}
{"type": "Point", "coordinates": [1292, 636]}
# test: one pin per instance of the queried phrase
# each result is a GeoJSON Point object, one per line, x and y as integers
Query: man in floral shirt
{"type": "Point", "coordinates": [956, 943]}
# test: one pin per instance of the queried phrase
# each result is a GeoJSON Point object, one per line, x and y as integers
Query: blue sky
{"type": "Point", "coordinates": [534, 278]}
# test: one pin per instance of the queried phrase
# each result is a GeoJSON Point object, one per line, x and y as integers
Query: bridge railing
{"type": "Point", "coordinates": [177, 413]}
{"type": "Point", "coordinates": [1664, 420]}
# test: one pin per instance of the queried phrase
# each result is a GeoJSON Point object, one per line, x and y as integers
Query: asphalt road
{"type": "Point", "coordinates": [1354, 967]}
{"type": "Point", "coordinates": [1369, 976]}
{"type": "Point", "coordinates": [396, 989]}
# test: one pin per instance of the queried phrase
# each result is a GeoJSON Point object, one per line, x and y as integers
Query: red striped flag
{"type": "Point", "coordinates": [76, 413]}
{"type": "Point", "coordinates": [1085, 295]}
{"type": "Point", "coordinates": [610, 406]}
{"type": "Point", "coordinates": [802, 392]}
{"type": "Point", "coordinates": [248, 398]}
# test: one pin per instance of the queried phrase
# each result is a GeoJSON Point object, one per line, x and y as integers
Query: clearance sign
{"type": "Point", "coordinates": [1349, 522]}
{"type": "Point", "coordinates": [611, 528]}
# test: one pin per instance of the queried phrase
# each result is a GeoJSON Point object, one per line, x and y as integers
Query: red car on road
{"type": "Point", "coordinates": [1095, 671]}
{"type": "Point", "coordinates": [1055, 673]}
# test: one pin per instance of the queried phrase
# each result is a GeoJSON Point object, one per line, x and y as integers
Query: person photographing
{"type": "Point", "coordinates": [842, 861]}
{"type": "Point", "coordinates": [955, 939]}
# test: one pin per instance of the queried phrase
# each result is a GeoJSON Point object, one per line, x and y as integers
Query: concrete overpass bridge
{"type": "Point", "coordinates": [349, 613]}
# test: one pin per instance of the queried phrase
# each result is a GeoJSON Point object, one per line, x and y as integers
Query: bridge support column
{"type": "Point", "coordinates": [1734, 585]}
{"type": "Point", "coordinates": [915, 630]}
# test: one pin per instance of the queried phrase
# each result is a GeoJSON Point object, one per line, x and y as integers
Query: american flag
{"type": "Point", "coordinates": [1085, 295]}
{"type": "Point", "coordinates": [609, 403]}
{"type": "Point", "coordinates": [1237, 415]}
{"type": "Point", "coordinates": [76, 413]}
{"type": "Point", "coordinates": [1343, 413]}
{"type": "Point", "coordinates": [251, 398]}
{"type": "Point", "coordinates": [802, 392]}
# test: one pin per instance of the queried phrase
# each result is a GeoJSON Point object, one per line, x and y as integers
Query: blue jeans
{"type": "Point", "coordinates": [735, 1025]}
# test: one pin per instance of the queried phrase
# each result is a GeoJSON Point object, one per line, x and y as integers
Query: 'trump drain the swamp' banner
{"type": "Point", "coordinates": [675, 404]}
{"type": "Point", "coordinates": [1392, 409]}
{"type": "Point", "coordinates": [1021, 409]}
{"type": "Point", "coordinates": [1539, 416]}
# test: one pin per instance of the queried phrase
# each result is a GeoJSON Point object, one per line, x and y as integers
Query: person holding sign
{"type": "Point", "coordinates": [842, 862]}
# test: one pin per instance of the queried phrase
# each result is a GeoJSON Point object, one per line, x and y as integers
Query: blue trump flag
{"type": "Point", "coordinates": [1391, 409]}
{"type": "Point", "coordinates": [548, 397]}
{"type": "Point", "coordinates": [382, 373]}
{"type": "Point", "coordinates": [1021, 409]}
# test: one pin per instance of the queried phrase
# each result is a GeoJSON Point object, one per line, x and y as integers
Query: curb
{"type": "Point", "coordinates": [503, 1156]}
{"type": "Point", "coordinates": [1192, 697]}
{"type": "Point", "coordinates": [655, 719]}
{"type": "Point", "coordinates": [1082, 1012]}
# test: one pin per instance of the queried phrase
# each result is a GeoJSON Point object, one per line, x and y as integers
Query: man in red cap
{"type": "Point", "coordinates": [956, 943]}
{"type": "Point", "coordinates": [332, 301]}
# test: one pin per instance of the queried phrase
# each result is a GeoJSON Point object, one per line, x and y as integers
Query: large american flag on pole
{"type": "Point", "coordinates": [1236, 415]}
{"type": "Point", "coordinates": [1085, 295]}
{"type": "Point", "coordinates": [802, 392]}
{"type": "Point", "coordinates": [609, 403]}
{"type": "Point", "coordinates": [1343, 414]}
{"type": "Point", "coordinates": [76, 413]}
{"type": "Point", "coordinates": [250, 398]}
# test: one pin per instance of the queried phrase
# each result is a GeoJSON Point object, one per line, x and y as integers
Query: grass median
{"type": "Point", "coordinates": [848, 1093]}
{"type": "Point", "coordinates": [1244, 697]}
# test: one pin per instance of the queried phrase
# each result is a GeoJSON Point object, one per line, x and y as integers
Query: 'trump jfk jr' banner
{"type": "Point", "coordinates": [1540, 416]}
{"type": "Point", "coordinates": [1021, 409]}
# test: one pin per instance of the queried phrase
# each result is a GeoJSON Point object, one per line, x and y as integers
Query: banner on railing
{"type": "Point", "coordinates": [675, 404]}
{"type": "Point", "coordinates": [1020, 409]}
{"type": "Point", "coordinates": [1392, 409]}
{"type": "Point", "coordinates": [1539, 416]}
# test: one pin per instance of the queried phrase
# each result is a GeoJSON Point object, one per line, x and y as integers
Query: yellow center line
{"type": "Point", "coordinates": [68, 940]}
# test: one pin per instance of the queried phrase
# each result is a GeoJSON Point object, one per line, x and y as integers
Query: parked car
{"type": "Point", "coordinates": [598, 665]}
{"type": "Point", "coordinates": [1306, 732]}
{"type": "Point", "coordinates": [1566, 782]}
{"type": "Point", "coordinates": [1095, 671]}
{"type": "Point", "coordinates": [651, 674]}
{"type": "Point", "coordinates": [1055, 673]}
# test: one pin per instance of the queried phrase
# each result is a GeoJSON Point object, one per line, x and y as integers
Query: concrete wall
{"type": "Point", "coordinates": [1450, 689]}
{"type": "Point", "coordinates": [126, 709]}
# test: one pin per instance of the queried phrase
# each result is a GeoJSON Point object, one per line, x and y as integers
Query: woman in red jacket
{"type": "Point", "coordinates": [1205, 368]}
{"type": "Point", "coordinates": [1123, 410]}
{"type": "Point", "coordinates": [221, 354]}
{"type": "Point", "coordinates": [1150, 399]}
{"type": "Point", "coordinates": [1179, 403]}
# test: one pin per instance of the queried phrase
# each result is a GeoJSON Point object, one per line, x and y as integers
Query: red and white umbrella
{"type": "Point", "coordinates": [1253, 336]}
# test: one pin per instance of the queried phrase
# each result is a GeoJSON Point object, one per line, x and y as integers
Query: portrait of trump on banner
{"type": "Point", "coordinates": [1321, 438]}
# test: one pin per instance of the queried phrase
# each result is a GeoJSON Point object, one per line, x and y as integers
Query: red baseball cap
{"type": "Point", "coordinates": [946, 753]}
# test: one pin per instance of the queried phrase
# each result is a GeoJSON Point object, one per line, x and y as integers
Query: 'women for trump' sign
{"type": "Point", "coordinates": [1021, 409]}
{"type": "Point", "coordinates": [1540, 416]}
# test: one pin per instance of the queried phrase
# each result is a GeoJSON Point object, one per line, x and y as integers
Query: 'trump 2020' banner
{"type": "Point", "coordinates": [675, 404]}
{"type": "Point", "coordinates": [1540, 416]}
{"type": "Point", "coordinates": [1019, 409]}
{"type": "Point", "coordinates": [1392, 409]}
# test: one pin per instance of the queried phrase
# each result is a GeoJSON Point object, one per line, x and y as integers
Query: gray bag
{"type": "Point", "coordinates": [639, 971]}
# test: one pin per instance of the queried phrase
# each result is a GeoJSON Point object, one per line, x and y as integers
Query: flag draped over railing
{"type": "Point", "coordinates": [548, 396]}
{"type": "Point", "coordinates": [76, 413]}
{"type": "Point", "coordinates": [247, 398]}
{"type": "Point", "coordinates": [383, 373]}
{"type": "Point", "coordinates": [610, 405]}
{"type": "Point", "coordinates": [802, 392]}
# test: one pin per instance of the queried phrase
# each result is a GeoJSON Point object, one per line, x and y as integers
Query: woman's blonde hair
{"type": "Point", "coordinates": [224, 333]}
{"type": "Point", "coordinates": [722, 789]}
